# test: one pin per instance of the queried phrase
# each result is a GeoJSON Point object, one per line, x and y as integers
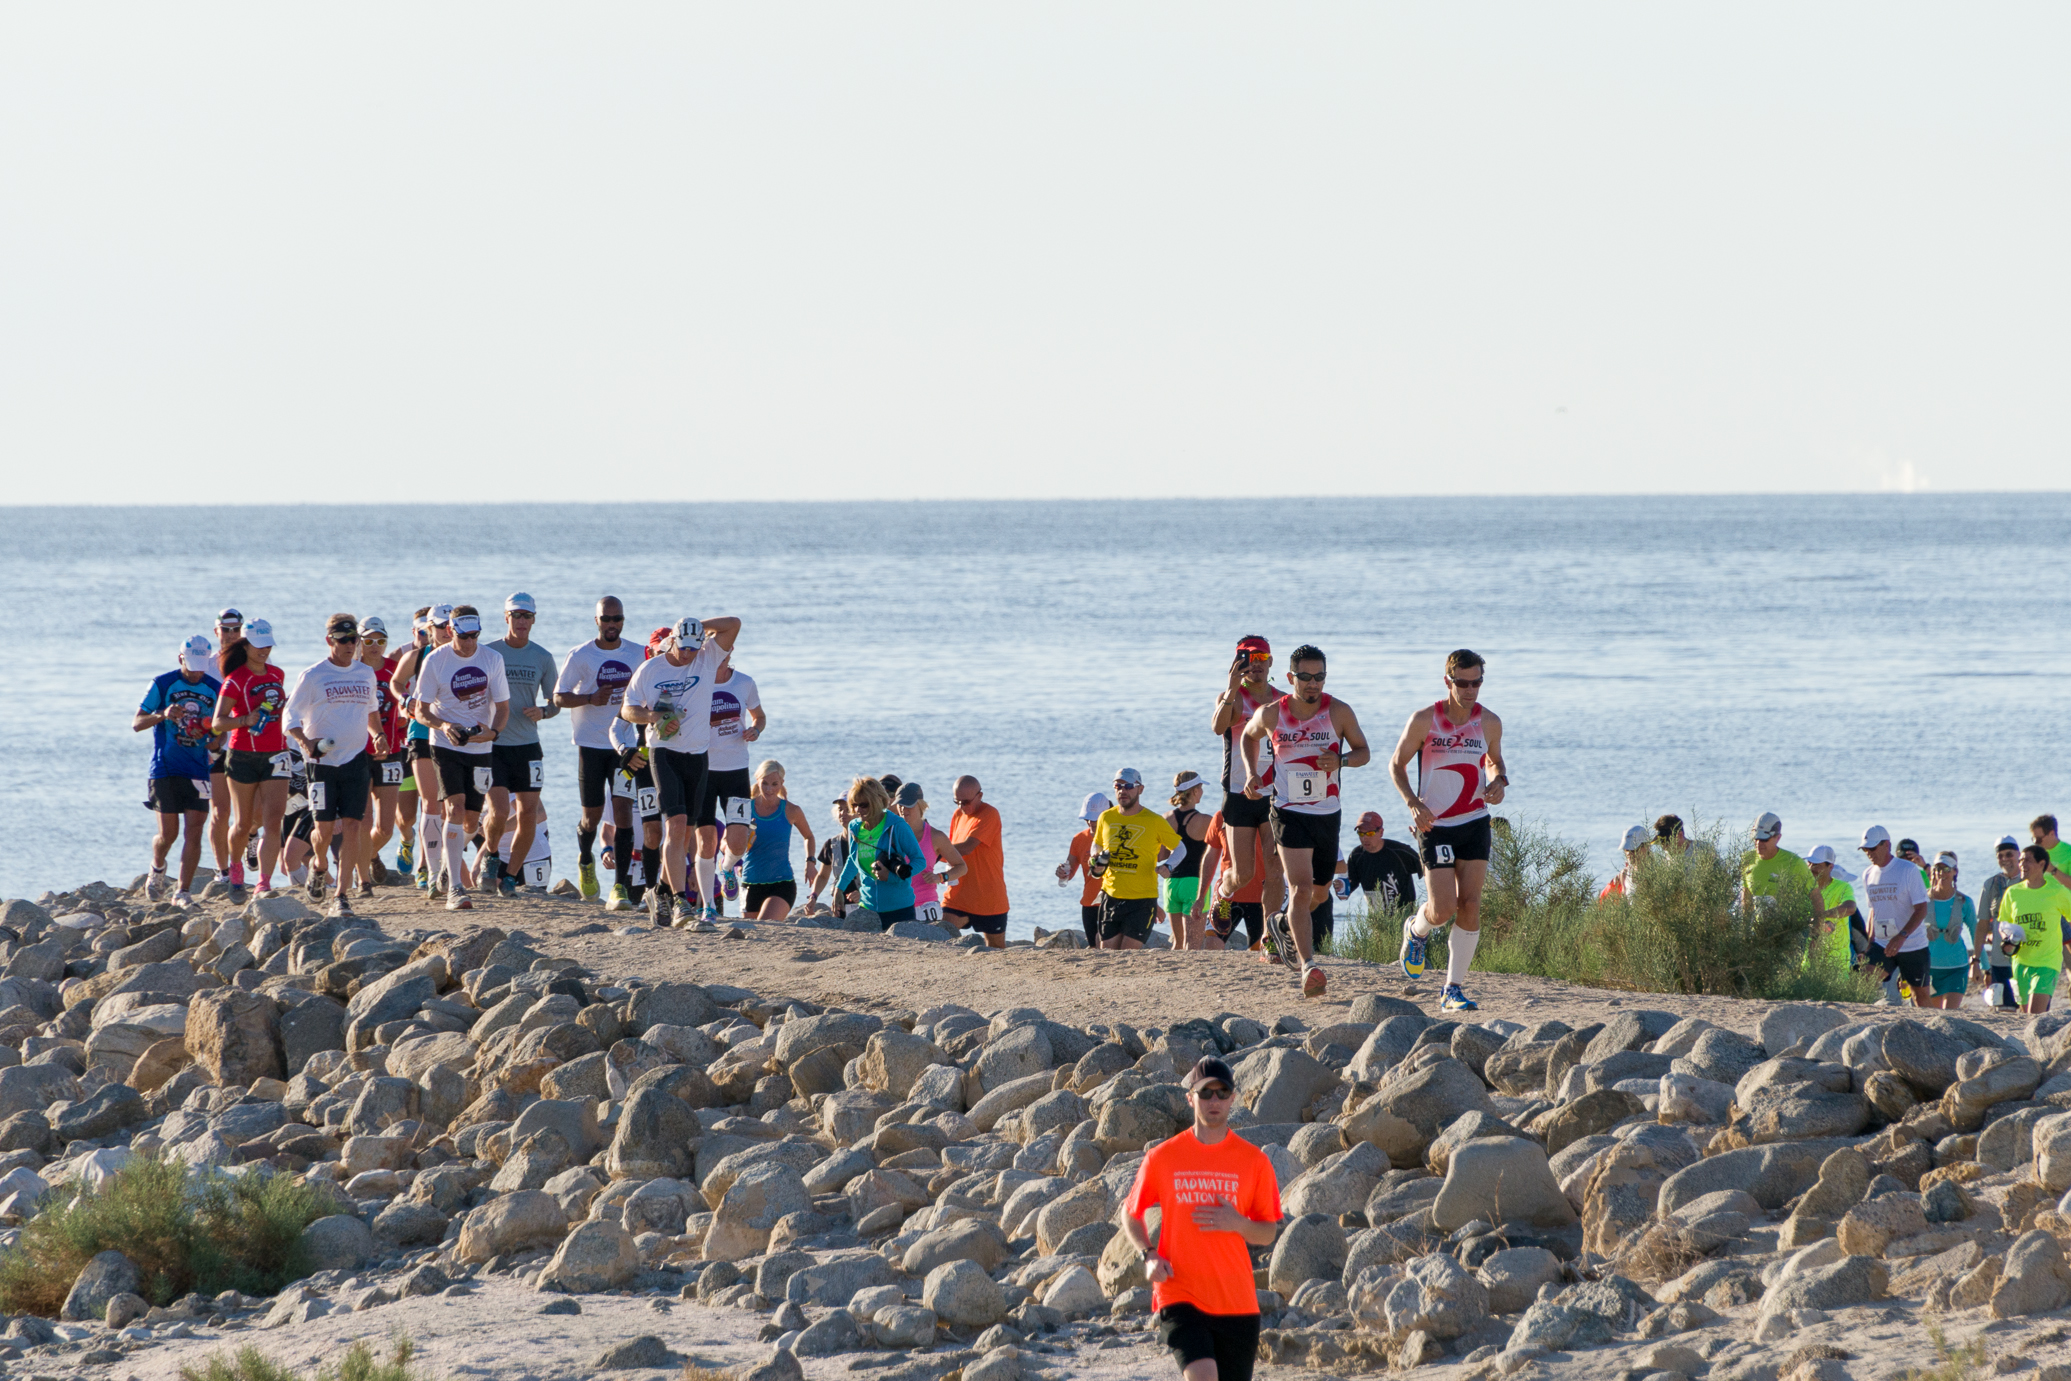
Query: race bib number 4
{"type": "Point", "coordinates": [734, 810]}
{"type": "Point", "coordinates": [484, 779]}
{"type": "Point", "coordinates": [1305, 785]}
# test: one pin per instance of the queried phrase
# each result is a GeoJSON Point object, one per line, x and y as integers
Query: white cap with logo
{"type": "Point", "coordinates": [520, 603]}
{"type": "Point", "coordinates": [1873, 836]}
{"type": "Point", "coordinates": [1637, 837]}
{"type": "Point", "coordinates": [259, 633]}
{"type": "Point", "coordinates": [689, 633]}
{"type": "Point", "coordinates": [1768, 826]}
{"type": "Point", "coordinates": [196, 654]}
{"type": "Point", "coordinates": [1095, 804]}
{"type": "Point", "coordinates": [465, 625]}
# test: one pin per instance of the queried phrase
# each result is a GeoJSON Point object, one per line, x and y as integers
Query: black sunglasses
{"type": "Point", "coordinates": [1309, 675]}
{"type": "Point", "coordinates": [611, 618]}
{"type": "Point", "coordinates": [345, 637]}
{"type": "Point", "coordinates": [1475, 684]}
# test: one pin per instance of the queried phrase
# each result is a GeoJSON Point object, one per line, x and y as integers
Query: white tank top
{"type": "Point", "coordinates": [1299, 785]}
{"type": "Point", "coordinates": [1450, 772]}
{"type": "Point", "coordinates": [1233, 741]}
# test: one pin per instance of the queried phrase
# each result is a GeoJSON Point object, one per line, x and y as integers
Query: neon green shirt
{"type": "Point", "coordinates": [2060, 857]}
{"type": "Point", "coordinates": [2041, 911]}
{"type": "Point", "coordinates": [1763, 877]}
{"type": "Point", "coordinates": [1835, 895]}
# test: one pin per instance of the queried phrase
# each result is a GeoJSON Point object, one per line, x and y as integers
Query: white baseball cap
{"type": "Point", "coordinates": [371, 625]}
{"type": "Point", "coordinates": [520, 603]}
{"type": "Point", "coordinates": [1873, 836]}
{"type": "Point", "coordinates": [259, 633]}
{"type": "Point", "coordinates": [1636, 837]}
{"type": "Point", "coordinates": [464, 624]}
{"type": "Point", "coordinates": [1095, 804]}
{"type": "Point", "coordinates": [196, 653]}
{"type": "Point", "coordinates": [2012, 933]}
{"type": "Point", "coordinates": [442, 614]}
{"type": "Point", "coordinates": [1129, 776]}
{"type": "Point", "coordinates": [1825, 854]}
{"type": "Point", "coordinates": [1768, 826]}
{"type": "Point", "coordinates": [689, 633]}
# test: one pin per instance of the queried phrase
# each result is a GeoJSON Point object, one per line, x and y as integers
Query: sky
{"type": "Point", "coordinates": [526, 252]}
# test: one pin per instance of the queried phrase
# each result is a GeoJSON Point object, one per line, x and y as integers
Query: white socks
{"type": "Point", "coordinates": [708, 873]}
{"type": "Point", "coordinates": [456, 852]}
{"type": "Point", "coordinates": [431, 836]}
{"type": "Point", "coordinates": [1459, 954]}
{"type": "Point", "coordinates": [1420, 927]}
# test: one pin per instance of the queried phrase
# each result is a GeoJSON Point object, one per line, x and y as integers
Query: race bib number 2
{"type": "Point", "coordinates": [281, 766]}
{"type": "Point", "coordinates": [317, 795]}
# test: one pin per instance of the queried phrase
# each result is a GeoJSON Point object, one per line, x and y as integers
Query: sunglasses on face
{"type": "Point", "coordinates": [1212, 1093]}
{"type": "Point", "coordinates": [1309, 676]}
{"type": "Point", "coordinates": [611, 618]}
{"type": "Point", "coordinates": [345, 637]}
{"type": "Point", "coordinates": [1475, 684]}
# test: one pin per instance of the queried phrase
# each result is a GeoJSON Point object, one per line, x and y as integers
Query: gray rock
{"type": "Point", "coordinates": [1390, 1202]}
{"type": "Point", "coordinates": [1277, 1085]}
{"type": "Point", "coordinates": [310, 1028]}
{"type": "Point", "coordinates": [643, 1353]}
{"type": "Point", "coordinates": [1720, 1055]}
{"type": "Point", "coordinates": [594, 1256]}
{"type": "Point", "coordinates": [340, 1242]}
{"type": "Point", "coordinates": [962, 1295]}
{"type": "Point", "coordinates": [834, 1332]}
{"type": "Point", "coordinates": [837, 1279]}
{"type": "Point", "coordinates": [655, 1138]}
{"type": "Point", "coordinates": [1513, 1277]}
{"type": "Point", "coordinates": [1376, 1008]}
{"type": "Point", "coordinates": [32, 1088]}
{"type": "Point", "coordinates": [1625, 1064]}
{"type": "Point", "coordinates": [973, 1239]}
{"type": "Point", "coordinates": [672, 1004]}
{"type": "Point", "coordinates": [1923, 1057]}
{"type": "Point", "coordinates": [409, 1223]}
{"type": "Point", "coordinates": [1773, 1174]}
{"type": "Point", "coordinates": [1848, 1282]}
{"type": "Point", "coordinates": [109, 1274]}
{"type": "Point", "coordinates": [1311, 1247]}
{"type": "Point", "coordinates": [104, 1112]}
{"type": "Point", "coordinates": [1437, 1296]}
{"type": "Point", "coordinates": [1500, 1180]}
{"type": "Point", "coordinates": [1629, 1030]}
{"type": "Point", "coordinates": [1386, 1046]}
{"type": "Point", "coordinates": [1557, 1328]}
{"type": "Point", "coordinates": [1812, 1113]}
{"type": "Point", "coordinates": [1781, 1028]}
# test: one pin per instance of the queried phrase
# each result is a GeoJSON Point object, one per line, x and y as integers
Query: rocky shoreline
{"type": "Point", "coordinates": [935, 1191]}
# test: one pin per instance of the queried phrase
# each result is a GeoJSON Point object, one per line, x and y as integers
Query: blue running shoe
{"type": "Point", "coordinates": [1413, 951]}
{"type": "Point", "coordinates": [1456, 1000]}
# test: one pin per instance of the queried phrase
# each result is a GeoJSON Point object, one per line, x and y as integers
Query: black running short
{"type": "Point", "coordinates": [463, 774]}
{"type": "Point", "coordinates": [679, 780]}
{"type": "Point", "coordinates": [1126, 918]}
{"type": "Point", "coordinates": [760, 892]}
{"type": "Point", "coordinates": [298, 824]}
{"type": "Point", "coordinates": [1293, 829]}
{"type": "Point", "coordinates": [340, 792]}
{"type": "Point", "coordinates": [248, 769]}
{"type": "Point", "coordinates": [637, 786]}
{"type": "Point", "coordinates": [1910, 965]}
{"type": "Point", "coordinates": [176, 795]}
{"type": "Point", "coordinates": [1240, 812]}
{"type": "Point", "coordinates": [1089, 917]}
{"type": "Point", "coordinates": [1229, 1340]}
{"type": "Point", "coordinates": [888, 918]}
{"type": "Point", "coordinates": [1253, 916]}
{"type": "Point", "coordinates": [219, 762]}
{"type": "Point", "coordinates": [1322, 922]}
{"type": "Point", "coordinates": [389, 771]}
{"type": "Point", "coordinates": [416, 750]}
{"type": "Point", "coordinates": [594, 770]}
{"type": "Point", "coordinates": [516, 767]}
{"type": "Point", "coordinates": [726, 797]}
{"type": "Point", "coordinates": [1445, 845]}
{"type": "Point", "coordinates": [984, 925]}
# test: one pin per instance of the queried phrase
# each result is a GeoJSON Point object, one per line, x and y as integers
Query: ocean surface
{"type": "Point", "coordinates": [1843, 660]}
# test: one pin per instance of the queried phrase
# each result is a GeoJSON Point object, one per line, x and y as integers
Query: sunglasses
{"type": "Point", "coordinates": [611, 618]}
{"type": "Point", "coordinates": [1363, 833]}
{"type": "Point", "coordinates": [1309, 675]}
{"type": "Point", "coordinates": [345, 637]}
{"type": "Point", "coordinates": [1213, 1093]}
{"type": "Point", "coordinates": [1475, 684]}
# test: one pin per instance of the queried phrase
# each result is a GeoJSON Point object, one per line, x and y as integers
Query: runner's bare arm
{"type": "Point", "coordinates": [946, 852]}
{"type": "Point", "coordinates": [1262, 723]}
{"type": "Point", "coordinates": [1226, 704]}
{"type": "Point", "coordinates": [1398, 768]}
{"type": "Point", "coordinates": [723, 630]}
{"type": "Point", "coordinates": [1159, 1269]}
{"type": "Point", "coordinates": [1499, 778]}
{"type": "Point", "coordinates": [757, 720]}
{"type": "Point", "coordinates": [637, 714]}
{"type": "Point", "coordinates": [1224, 1217]}
{"type": "Point", "coordinates": [1347, 724]}
{"type": "Point", "coordinates": [805, 832]}
{"type": "Point", "coordinates": [375, 735]}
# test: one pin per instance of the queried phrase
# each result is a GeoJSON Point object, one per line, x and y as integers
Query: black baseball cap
{"type": "Point", "coordinates": [1209, 1070]}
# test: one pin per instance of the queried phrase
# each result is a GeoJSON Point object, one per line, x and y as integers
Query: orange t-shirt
{"type": "Point", "coordinates": [982, 891]}
{"type": "Point", "coordinates": [1220, 838]}
{"type": "Point", "coordinates": [1081, 854]}
{"type": "Point", "coordinates": [1210, 1270]}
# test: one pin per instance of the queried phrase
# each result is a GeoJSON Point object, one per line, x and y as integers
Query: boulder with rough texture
{"type": "Point", "coordinates": [2034, 1278]}
{"type": "Point", "coordinates": [1594, 1112]}
{"type": "Point", "coordinates": [644, 1353]}
{"type": "Point", "coordinates": [1772, 1174]}
{"type": "Point", "coordinates": [1845, 1283]}
{"type": "Point", "coordinates": [109, 1274]}
{"type": "Point", "coordinates": [1386, 1046]}
{"type": "Point", "coordinates": [904, 1326]}
{"type": "Point", "coordinates": [1793, 1024]}
{"type": "Point", "coordinates": [1629, 1030]}
{"type": "Point", "coordinates": [675, 1004]}
{"type": "Point", "coordinates": [894, 1059]}
{"type": "Point", "coordinates": [962, 1295]}
{"type": "Point", "coordinates": [1806, 1114]}
{"type": "Point", "coordinates": [2050, 1138]}
{"type": "Point", "coordinates": [1278, 1085]}
{"type": "Point", "coordinates": [751, 1206]}
{"type": "Point", "coordinates": [595, 1256]}
{"type": "Point", "coordinates": [511, 1223]}
{"type": "Point", "coordinates": [340, 1242]}
{"type": "Point", "coordinates": [1309, 1248]}
{"type": "Point", "coordinates": [104, 1112]}
{"type": "Point", "coordinates": [32, 1088]}
{"type": "Point", "coordinates": [1688, 1098]}
{"type": "Point", "coordinates": [1922, 1056]}
{"type": "Point", "coordinates": [1075, 1293]}
{"type": "Point", "coordinates": [1514, 1276]}
{"type": "Point", "coordinates": [235, 1036]}
{"type": "Point", "coordinates": [1500, 1180]}
{"type": "Point", "coordinates": [1720, 1055]}
{"type": "Point", "coordinates": [972, 1239]}
{"type": "Point", "coordinates": [656, 1138]}
{"type": "Point", "coordinates": [838, 1279]}
{"type": "Point", "coordinates": [1437, 1296]}
{"type": "Point", "coordinates": [1874, 1224]}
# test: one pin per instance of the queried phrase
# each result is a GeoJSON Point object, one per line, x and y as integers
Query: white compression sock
{"type": "Point", "coordinates": [456, 850]}
{"type": "Point", "coordinates": [1459, 954]}
{"type": "Point", "coordinates": [1420, 927]}
{"type": "Point", "coordinates": [708, 872]}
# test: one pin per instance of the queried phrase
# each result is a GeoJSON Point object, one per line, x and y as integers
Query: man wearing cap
{"type": "Point", "coordinates": [833, 857]}
{"type": "Point", "coordinates": [1076, 858]}
{"type": "Point", "coordinates": [592, 684]}
{"type": "Point", "coordinates": [978, 900]}
{"type": "Point", "coordinates": [671, 694]}
{"type": "Point", "coordinates": [1993, 965]}
{"type": "Point", "coordinates": [386, 770]}
{"type": "Point", "coordinates": [1837, 897]}
{"type": "Point", "coordinates": [178, 708]}
{"type": "Point", "coordinates": [334, 714]}
{"type": "Point", "coordinates": [2044, 830]}
{"type": "Point", "coordinates": [516, 769]}
{"type": "Point", "coordinates": [1217, 1197]}
{"type": "Point", "coordinates": [463, 698]}
{"type": "Point", "coordinates": [1898, 914]}
{"type": "Point", "coordinates": [1635, 844]}
{"type": "Point", "coordinates": [1129, 842]}
{"type": "Point", "coordinates": [1385, 870]}
{"type": "Point", "coordinates": [1769, 870]}
{"type": "Point", "coordinates": [1250, 686]}
{"type": "Point", "coordinates": [2032, 916]}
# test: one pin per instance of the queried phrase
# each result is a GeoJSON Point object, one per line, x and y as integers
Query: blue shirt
{"type": "Point", "coordinates": [895, 836]}
{"type": "Point", "coordinates": [769, 857]}
{"type": "Point", "coordinates": [180, 746]}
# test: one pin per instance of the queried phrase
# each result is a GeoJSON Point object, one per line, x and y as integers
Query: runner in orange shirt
{"type": "Point", "coordinates": [978, 901]}
{"type": "Point", "coordinates": [1217, 1197]}
{"type": "Point", "coordinates": [1076, 860]}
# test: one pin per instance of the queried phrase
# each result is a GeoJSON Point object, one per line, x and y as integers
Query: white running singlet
{"type": "Point", "coordinates": [1299, 785]}
{"type": "Point", "coordinates": [1233, 741]}
{"type": "Point", "coordinates": [1450, 768]}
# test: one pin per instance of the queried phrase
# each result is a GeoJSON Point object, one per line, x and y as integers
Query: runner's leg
{"type": "Point", "coordinates": [273, 801]}
{"type": "Point", "coordinates": [1303, 896]}
{"type": "Point", "coordinates": [221, 802]}
{"type": "Point", "coordinates": [526, 804]}
{"type": "Point", "coordinates": [495, 820]}
{"type": "Point", "coordinates": [244, 820]}
{"type": "Point", "coordinates": [1470, 874]}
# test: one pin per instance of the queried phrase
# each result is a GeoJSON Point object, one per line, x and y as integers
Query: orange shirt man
{"type": "Point", "coordinates": [1217, 1197]}
{"type": "Point", "coordinates": [978, 901]}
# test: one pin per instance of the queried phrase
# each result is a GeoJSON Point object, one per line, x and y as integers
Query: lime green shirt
{"type": "Point", "coordinates": [2060, 857]}
{"type": "Point", "coordinates": [1763, 877]}
{"type": "Point", "coordinates": [2041, 911]}
{"type": "Point", "coordinates": [1835, 895]}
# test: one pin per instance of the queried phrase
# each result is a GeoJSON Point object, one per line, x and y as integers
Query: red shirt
{"type": "Point", "coordinates": [1210, 1270]}
{"type": "Point", "coordinates": [982, 891]}
{"type": "Point", "coordinates": [1255, 890]}
{"type": "Point", "coordinates": [252, 688]}
{"type": "Point", "coordinates": [390, 709]}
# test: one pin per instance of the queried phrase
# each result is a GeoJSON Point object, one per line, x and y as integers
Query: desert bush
{"type": "Point", "coordinates": [358, 1364]}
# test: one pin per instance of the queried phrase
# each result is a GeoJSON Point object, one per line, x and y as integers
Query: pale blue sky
{"type": "Point", "coordinates": [533, 252]}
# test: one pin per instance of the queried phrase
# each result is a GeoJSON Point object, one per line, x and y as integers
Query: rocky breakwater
{"type": "Point", "coordinates": [949, 1183]}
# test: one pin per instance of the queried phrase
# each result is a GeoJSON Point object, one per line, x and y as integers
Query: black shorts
{"type": "Point", "coordinates": [340, 792]}
{"type": "Point", "coordinates": [1126, 918]}
{"type": "Point", "coordinates": [679, 780]}
{"type": "Point", "coordinates": [984, 925]}
{"type": "Point", "coordinates": [1089, 917]}
{"type": "Point", "coordinates": [1292, 829]}
{"type": "Point", "coordinates": [1322, 921]}
{"type": "Point", "coordinates": [1253, 916]}
{"type": "Point", "coordinates": [176, 795]}
{"type": "Point", "coordinates": [1445, 845]}
{"type": "Point", "coordinates": [1231, 1340]}
{"type": "Point", "coordinates": [516, 767]}
{"type": "Point", "coordinates": [389, 771]}
{"type": "Point", "coordinates": [219, 762]}
{"type": "Point", "coordinates": [297, 824]}
{"type": "Point", "coordinates": [760, 892]}
{"type": "Point", "coordinates": [248, 769]}
{"type": "Point", "coordinates": [888, 918]}
{"type": "Point", "coordinates": [1240, 812]}
{"type": "Point", "coordinates": [726, 797]}
{"type": "Point", "coordinates": [463, 774]}
{"type": "Point", "coordinates": [1911, 966]}
{"type": "Point", "coordinates": [637, 786]}
{"type": "Point", "coordinates": [595, 767]}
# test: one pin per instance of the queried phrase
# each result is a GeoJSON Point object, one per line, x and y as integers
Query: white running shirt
{"type": "Point", "coordinates": [330, 701]}
{"type": "Point", "coordinates": [587, 668]}
{"type": "Point", "coordinates": [686, 727]}
{"type": "Point", "coordinates": [463, 690]}
{"type": "Point", "coordinates": [1450, 769]}
{"type": "Point", "coordinates": [1299, 785]}
{"type": "Point", "coordinates": [731, 701]}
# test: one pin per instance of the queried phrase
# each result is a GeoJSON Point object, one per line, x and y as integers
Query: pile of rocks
{"type": "Point", "coordinates": [950, 1182]}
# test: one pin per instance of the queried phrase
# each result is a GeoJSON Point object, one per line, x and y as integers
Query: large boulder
{"type": "Point", "coordinates": [1438, 1296]}
{"type": "Point", "coordinates": [309, 1028]}
{"type": "Point", "coordinates": [1794, 1024]}
{"type": "Point", "coordinates": [32, 1088]}
{"type": "Point", "coordinates": [843, 1032]}
{"type": "Point", "coordinates": [2034, 1280]}
{"type": "Point", "coordinates": [1629, 1030]}
{"type": "Point", "coordinates": [597, 1255]}
{"type": "Point", "coordinates": [894, 1059]}
{"type": "Point", "coordinates": [1386, 1046]}
{"type": "Point", "coordinates": [972, 1239]}
{"type": "Point", "coordinates": [656, 1138]}
{"type": "Point", "coordinates": [1843, 1284]}
{"type": "Point", "coordinates": [1279, 1085]}
{"type": "Point", "coordinates": [962, 1295]}
{"type": "Point", "coordinates": [1721, 1055]}
{"type": "Point", "coordinates": [1500, 1180]}
{"type": "Point", "coordinates": [109, 1274]}
{"type": "Point", "coordinates": [1773, 1174]}
{"type": "Point", "coordinates": [511, 1223]}
{"type": "Point", "coordinates": [104, 1112]}
{"type": "Point", "coordinates": [837, 1279]}
{"type": "Point", "coordinates": [751, 1206]}
{"type": "Point", "coordinates": [1016, 1054]}
{"type": "Point", "coordinates": [1311, 1247]}
{"type": "Point", "coordinates": [234, 1035]}
{"type": "Point", "coordinates": [340, 1242]}
{"type": "Point", "coordinates": [1922, 1056]}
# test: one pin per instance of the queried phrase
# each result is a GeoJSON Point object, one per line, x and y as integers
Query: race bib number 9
{"type": "Point", "coordinates": [1305, 785]}
{"type": "Point", "coordinates": [281, 766]}
{"type": "Point", "coordinates": [1445, 855]}
{"type": "Point", "coordinates": [391, 774]}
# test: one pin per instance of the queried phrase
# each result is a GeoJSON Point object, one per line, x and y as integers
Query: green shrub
{"type": "Point", "coordinates": [184, 1232]}
{"type": "Point", "coordinates": [358, 1364]}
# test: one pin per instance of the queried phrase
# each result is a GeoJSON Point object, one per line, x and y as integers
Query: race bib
{"type": "Point", "coordinates": [281, 766]}
{"type": "Point", "coordinates": [734, 810]}
{"type": "Point", "coordinates": [535, 774]}
{"type": "Point", "coordinates": [1444, 855]}
{"type": "Point", "coordinates": [391, 774]}
{"type": "Point", "coordinates": [650, 801]}
{"type": "Point", "coordinates": [1305, 785]}
{"type": "Point", "coordinates": [536, 874]}
{"type": "Point", "coordinates": [928, 911]}
{"type": "Point", "coordinates": [484, 778]}
{"type": "Point", "coordinates": [318, 795]}
{"type": "Point", "coordinates": [201, 787]}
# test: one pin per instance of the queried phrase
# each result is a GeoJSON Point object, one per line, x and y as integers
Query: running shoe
{"type": "Point", "coordinates": [423, 876]}
{"type": "Point", "coordinates": [1414, 950]}
{"type": "Point", "coordinates": [506, 885]}
{"type": "Point", "coordinates": [458, 900]}
{"type": "Point", "coordinates": [680, 914]}
{"type": "Point", "coordinates": [155, 884]}
{"type": "Point", "coordinates": [1314, 982]}
{"type": "Point", "coordinates": [380, 871]}
{"type": "Point", "coordinates": [183, 899]}
{"type": "Point", "coordinates": [1456, 1000]}
{"type": "Point", "coordinates": [263, 890]}
{"type": "Point", "coordinates": [715, 912]}
{"type": "Point", "coordinates": [1280, 937]}
{"type": "Point", "coordinates": [340, 907]}
{"type": "Point", "coordinates": [403, 858]}
{"type": "Point", "coordinates": [588, 879]}
{"type": "Point", "coordinates": [238, 895]}
{"type": "Point", "coordinates": [237, 873]}
{"type": "Point", "coordinates": [318, 885]}
{"type": "Point", "coordinates": [731, 882]}
{"type": "Point", "coordinates": [620, 899]}
{"type": "Point", "coordinates": [366, 890]}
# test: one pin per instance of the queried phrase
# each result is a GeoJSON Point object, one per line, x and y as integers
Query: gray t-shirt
{"type": "Point", "coordinates": [527, 669]}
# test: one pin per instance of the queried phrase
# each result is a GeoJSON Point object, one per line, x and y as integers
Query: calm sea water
{"type": "Point", "coordinates": [1839, 660]}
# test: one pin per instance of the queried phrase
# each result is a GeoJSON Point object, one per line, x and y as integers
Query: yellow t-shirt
{"type": "Point", "coordinates": [1763, 877]}
{"type": "Point", "coordinates": [1132, 843]}
{"type": "Point", "coordinates": [2040, 911]}
{"type": "Point", "coordinates": [1833, 896]}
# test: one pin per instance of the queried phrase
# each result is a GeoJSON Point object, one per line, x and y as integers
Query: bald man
{"type": "Point", "coordinates": [593, 684]}
{"type": "Point", "coordinates": [978, 901]}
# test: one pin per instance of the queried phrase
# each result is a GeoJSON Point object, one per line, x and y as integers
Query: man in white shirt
{"type": "Point", "coordinates": [464, 699]}
{"type": "Point", "coordinates": [1898, 914]}
{"type": "Point", "coordinates": [592, 683]}
{"type": "Point", "coordinates": [671, 694]}
{"type": "Point", "coordinates": [334, 713]}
